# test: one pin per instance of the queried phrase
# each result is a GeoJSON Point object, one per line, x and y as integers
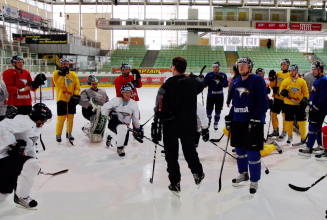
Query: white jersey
{"type": "Point", "coordinates": [14, 129]}
{"type": "Point", "coordinates": [202, 118]}
{"type": "Point", "coordinates": [125, 113]}
{"type": "Point", "coordinates": [3, 97]}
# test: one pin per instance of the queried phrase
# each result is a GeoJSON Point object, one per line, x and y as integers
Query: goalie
{"type": "Point", "coordinates": [91, 101]}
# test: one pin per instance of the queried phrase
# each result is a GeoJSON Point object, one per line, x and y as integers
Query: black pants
{"type": "Point", "coordinates": [170, 140]}
{"type": "Point", "coordinates": [62, 108]}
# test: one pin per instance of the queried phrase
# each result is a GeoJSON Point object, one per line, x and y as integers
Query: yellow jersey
{"type": "Point", "coordinates": [297, 90]}
{"type": "Point", "coordinates": [72, 82]}
{"type": "Point", "coordinates": [280, 76]}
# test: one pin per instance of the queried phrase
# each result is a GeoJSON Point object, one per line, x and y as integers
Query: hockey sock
{"type": "Point", "coordinates": [324, 137]}
{"type": "Point", "coordinates": [289, 128]}
{"type": "Point", "coordinates": [70, 119]}
{"type": "Point", "coordinates": [217, 116]}
{"type": "Point", "coordinates": [60, 124]}
{"type": "Point", "coordinates": [312, 135]}
{"type": "Point", "coordinates": [284, 122]}
{"type": "Point", "coordinates": [226, 132]}
{"type": "Point", "coordinates": [242, 160]}
{"type": "Point", "coordinates": [274, 121]}
{"type": "Point", "coordinates": [303, 129]}
{"type": "Point", "coordinates": [25, 180]}
{"type": "Point", "coordinates": [267, 149]}
{"type": "Point", "coordinates": [209, 113]}
{"type": "Point", "coordinates": [254, 165]}
{"type": "Point", "coordinates": [319, 137]}
{"type": "Point", "coordinates": [121, 134]}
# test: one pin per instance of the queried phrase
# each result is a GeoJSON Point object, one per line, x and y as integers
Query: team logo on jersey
{"type": "Point", "coordinates": [242, 90]}
{"type": "Point", "coordinates": [124, 114]}
{"type": "Point", "coordinates": [294, 89]}
{"type": "Point", "coordinates": [280, 80]}
{"type": "Point", "coordinates": [34, 139]}
{"type": "Point", "coordinates": [313, 88]}
{"type": "Point", "coordinates": [68, 82]}
{"type": "Point", "coordinates": [217, 81]}
{"type": "Point", "coordinates": [24, 81]}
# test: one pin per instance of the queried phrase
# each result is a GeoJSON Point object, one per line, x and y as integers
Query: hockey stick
{"type": "Point", "coordinates": [53, 174]}
{"type": "Point", "coordinates": [67, 111]}
{"type": "Point", "coordinates": [298, 144]}
{"type": "Point", "coordinates": [154, 163]}
{"type": "Point", "coordinates": [152, 141]}
{"type": "Point", "coordinates": [266, 171]}
{"type": "Point", "coordinates": [201, 73]}
{"type": "Point", "coordinates": [303, 189]}
{"type": "Point", "coordinates": [222, 149]}
{"type": "Point", "coordinates": [268, 127]}
{"type": "Point", "coordinates": [222, 165]}
{"type": "Point", "coordinates": [217, 140]}
{"type": "Point", "coordinates": [146, 121]}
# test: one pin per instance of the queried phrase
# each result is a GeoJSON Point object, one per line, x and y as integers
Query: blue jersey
{"type": "Point", "coordinates": [318, 96]}
{"type": "Point", "coordinates": [215, 89]}
{"type": "Point", "coordinates": [249, 99]}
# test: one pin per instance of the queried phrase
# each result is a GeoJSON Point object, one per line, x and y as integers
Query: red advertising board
{"type": "Point", "coordinates": [144, 71]}
{"type": "Point", "coordinates": [153, 80]}
{"type": "Point", "coordinates": [270, 25]}
{"type": "Point", "coordinates": [305, 27]}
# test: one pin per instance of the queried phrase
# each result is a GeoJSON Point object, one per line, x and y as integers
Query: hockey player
{"type": "Point", "coordinates": [275, 80]}
{"type": "Point", "coordinates": [126, 79]}
{"type": "Point", "coordinates": [229, 95]}
{"type": "Point", "coordinates": [295, 93]}
{"type": "Point", "coordinates": [262, 72]}
{"type": "Point", "coordinates": [175, 111]}
{"type": "Point", "coordinates": [67, 90]}
{"type": "Point", "coordinates": [5, 110]}
{"type": "Point", "coordinates": [19, 84]}
{"type": "Point", "coordinates": [91, 101]}
{"type": "Point", "coordinates": [18, 164]}
{"type": "Point", "coordinates": [318, 110]}
{"type": "Point", "coordinates": [246, 119]}
{"type": "Point", "coordinates": [215, 81]}
{"type": "Point", "coordinates": [121, 111]}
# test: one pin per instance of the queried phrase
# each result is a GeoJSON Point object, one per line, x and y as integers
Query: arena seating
{"type": "Point", "coordinates": [321, 54]}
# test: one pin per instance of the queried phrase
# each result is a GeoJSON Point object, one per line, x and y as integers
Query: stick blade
{"type": "Point", "coordinates": [300, 189]}
{"type": "Point", "coordinates": [60, 172]}
{"type": "Point", "coordinates": [219, 185]}
{"type": "Point", "coordinates": [151, 180]}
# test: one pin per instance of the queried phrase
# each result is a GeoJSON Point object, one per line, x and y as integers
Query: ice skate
{"type": "Point", "coordinates": [175, 189]}
{"type": "Point", "coordinates": [108, 142]}
{"type": "Point", "coordinates": [322, 156]}
{"type": "Point", "coordinates": [27, 203]}
{"type": "Point", "coordinates": [215, 126]}
{"type": "Point", "coordinates": [120, 151]}
{"type": "Point", "coordinates": [289, 140]}
{"type": "Point", "coordinates": [302, 143]}
{"type": "Point", "coordinates": [278, 147]}
{"type": "Point", "coordinates": [282, 136]}
{"type": "Point", "coordinates": [253, 187]}
{"type": "Point", "coordinates": [305, 152]}
{"type": "Point", "coordinates": [58, 138]}
{"type": "Point", "coordinates": [274, 134]}
{"type": "Point", "coordinates": [71, 138]}
{"type": "Point", "coordinates": [198, 179]}
{"type": "Point", "coordinates": [318, 150]}
{"type": "Point", "coordinates": [241, 180]}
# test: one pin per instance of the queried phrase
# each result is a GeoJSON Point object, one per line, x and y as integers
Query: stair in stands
{"type": "Point", "coordinates": [150, 58]}
{"type": "Point", "coordinates": [231, 58]}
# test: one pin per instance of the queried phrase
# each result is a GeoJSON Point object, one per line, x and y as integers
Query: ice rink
{"type": "Point", "coordinates": [101, 185]}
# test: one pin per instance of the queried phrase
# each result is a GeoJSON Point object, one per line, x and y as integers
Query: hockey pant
{"type": "Point", "coordinates": [217, 116]}
{"type": "Point", "coordinates": [249, 160]}
{"type": "Point", "coordinates": [275, 122]}
{"type": "Point", "coordinates": [302, 128]}
{"type": "Point", "coordinates": [60, 124]}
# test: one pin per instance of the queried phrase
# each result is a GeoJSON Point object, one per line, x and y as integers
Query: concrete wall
{"type": "Point", "coordinates": [64, 49]}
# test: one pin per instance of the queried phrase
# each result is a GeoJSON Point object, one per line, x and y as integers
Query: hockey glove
{"type": "Point", "coordinates": [74, 100]}
{"type": "Point", "coordinates": [11, 111]}
{"type": "Point", "coordinates": [254, 122]}
{"type": "Point", "coordinates": [219, 77]}
{"type": "Point", "coordinates": [133, 84]}
{"type": "Point", "coordinates": [284, 93]}
{"type": "Point", "coordinates": [275, 90]}
{"type": "Point", "coordinates": [205, 134]}
{"type": "Point", "coordinates": [272, 75]}
{"type": "Point", "coordinates": [63, 71]}
{"type": "Point", "coordinates": [304, 103]}
{"type": "Point", "coordinates": [228, 122]}
{"type": "Point", "coordinates": [17, 149]}
{"type": "Point", "coordinates": [136, 73]}
{"type": "Point", "coordinates": [39, 80]}
{"type": "Point", "coordinates": [268, 90]}
{"type": "Point", "coordinates": [314, 115]}
{"type": "Point", "coordinates": [156, 132]}
{"type": "Point", "coordinates": [138, 134]}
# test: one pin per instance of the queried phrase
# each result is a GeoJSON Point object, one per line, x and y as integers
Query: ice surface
{"type": "Point", "coordinates": [101, 185]}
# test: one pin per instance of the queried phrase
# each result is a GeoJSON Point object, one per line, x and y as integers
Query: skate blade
{"type": "Point", "coordinates": [317, 152]}
{"type": "Point", "coordinates": [322, 159]}
{"type": "Point", "coordinates": [243, 183]}
{"type": "Point", "coordinates": [305, 155]}
{"type": "Point", "coordinates": [23, 207]}
{"type": "Point", "coordinates": [176, 193]}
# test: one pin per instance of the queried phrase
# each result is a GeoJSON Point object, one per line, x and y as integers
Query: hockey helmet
{"type": "Point", "coordinates": [294, 67]}
{"type": "Point", "coordinates": [124, 66]}
{"type": "Point", "coordinates": [216, 64]}
{"type": "Point", "coordinates": [260, 70]}
{"type": "Point", "coordinates": [64, 60]}
{"type": "Point", "coordinates": [317, 64]}
{"type": "Point", "coordinates": [40, 112]}
{"type": "Point", "coordinates": [287, 61]}
{"type": "Point", "coordinates": [245, 60]}
{"type": "Point", "coordinates": [91, 78]}
{"type": "Point", "coordinates": [15, 58]}
{"type": "Point", "coordinates": [126, 88]}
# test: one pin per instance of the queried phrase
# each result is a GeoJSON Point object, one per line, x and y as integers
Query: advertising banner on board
{"type": "Point", "coordinates": [305, 27]}
{"type": "Point", "coordinates": [270, 25]}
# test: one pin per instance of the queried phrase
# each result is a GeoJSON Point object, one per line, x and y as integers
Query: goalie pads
{"type": "Point", "coordinates": [98, 125]}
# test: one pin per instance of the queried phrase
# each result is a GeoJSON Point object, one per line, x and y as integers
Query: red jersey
{"type": "Point", "coordinates": [14, 81]}
{"type": "Point", "coordinates": [120, 81]}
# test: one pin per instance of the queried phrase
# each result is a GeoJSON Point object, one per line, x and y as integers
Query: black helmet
{"type": "Point", "coordinates": [126, 88]}
{"type": "Point", "coordinates": [90, 79]}
{"type": "Point", "coordinates": [216, 64]}
{"type": "Point", "coordinates": [15, 58]}
{"type": "Point", "coordinates": [287, 61]}
{"type": "Point", "coordinates": [124, 66]}
{"type": "Point", "coordinates": [40, 112]}
{"type": "Point", "coordinates": [317, 64]}
{"type": "Point", "coordinates": [294, 67]}
{"type": "Point", "coordinates": [64, 60]}
{"type": "Point", "coordinates": [245, 60]}
{"type": "Point", "coordinates": [260, 70]}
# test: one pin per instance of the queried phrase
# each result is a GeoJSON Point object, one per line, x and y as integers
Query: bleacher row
{"type": "Point", "coordinates": [198, 56]}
